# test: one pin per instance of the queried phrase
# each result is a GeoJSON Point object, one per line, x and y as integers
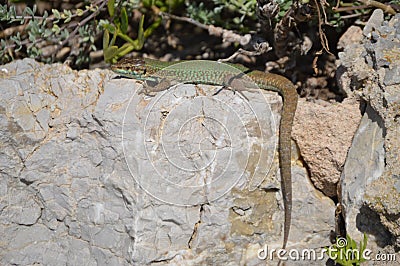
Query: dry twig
{"type": "Point", "coordinates": [227, 35]}
{"type": "Point", "coordinates": [377, 4]}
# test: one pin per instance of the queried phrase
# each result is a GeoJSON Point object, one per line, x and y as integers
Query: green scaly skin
{"type": "Point", "coordinates": [202, 72]}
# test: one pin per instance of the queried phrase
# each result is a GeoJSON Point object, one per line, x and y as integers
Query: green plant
{"type": "Point", "coordinates": [43, 36]}
{"type": "Point", "coordinates": [242, 13]}
{"type": "Point", "coordinates": [71, 30]}
{"type": "Point", "coordinates": [346, 252]}
{"type": "Point", "coordinates": [118, 26]}
{"type": "Point", "coordinates": [163, 5]}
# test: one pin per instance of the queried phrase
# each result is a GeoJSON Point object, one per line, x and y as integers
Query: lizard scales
{"type": "Point", "coordinates": [150, 69]}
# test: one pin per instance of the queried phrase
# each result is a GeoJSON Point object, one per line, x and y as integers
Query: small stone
{"type": "Point", "coordinates": [373, 23]}
{"type": "Point", "coordinates": [352, 35]}
{"type": "Point", "coordinates": [392, 76]}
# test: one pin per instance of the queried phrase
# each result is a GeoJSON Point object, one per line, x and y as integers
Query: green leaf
{"type": "Point", "coordinates": [17, 40]}
{"type": "Point", "coordinates": [110, 53]}
{"type": "Point", "coordinates": [33, 52]}
{"type": "Point", "coordinates": [64, 34]}
{"type": "Point", "coordinates": [45, 15]}
{"type": "Point", "coordinates": [56, 29]}
{"type": "Point", "coordinates": [125, 49]}
{"type": "Point", "coordinates": [111, 8]}
{"type": "Point", "coordinates": [68, 15]}
{"type": "Point", "coordinates": [47, 33]}
{"type": "Point", "coordinates": [364, 246]}
{"type": "Point", "coordinates": [109, 27]}
{"type": "Point", "coordinates": [140, 37]}
{"type": "Point", "coordinates": [13, 13]}
{"type": "Point", "coordinates": [106, 39]}
{"type": "Point", "coordinates": [28, 11]}
{"type": "Point", "coordinates": [79, 12]}
{"type": "Point", "coordinates": [125, 37]}
{"type": "Point", "coordinates": [352, 242]}
{"type": "Point", "coordinates": [236, 20]}
{"type": "Point", "coordinates": [114, 38]}
{"type": "Point", "coordinates": [124, 20]}
{"type": "Point", "coordinates": [56, 13]}
{"type": "Point", "coordinates": [148, 3]}
{"type": "Point", "coordinates": [31, 37]}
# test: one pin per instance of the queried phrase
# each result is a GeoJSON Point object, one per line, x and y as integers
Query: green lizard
{"type": "Point", "coordinates": [206, 73]}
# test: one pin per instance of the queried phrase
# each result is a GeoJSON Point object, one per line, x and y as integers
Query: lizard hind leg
{"type": "Point", "coordinates": [231, 89]}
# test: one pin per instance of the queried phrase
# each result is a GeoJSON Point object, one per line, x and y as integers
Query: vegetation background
{"type": "Point", "coordinates": [297, 39]}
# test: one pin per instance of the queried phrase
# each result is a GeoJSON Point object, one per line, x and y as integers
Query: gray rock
{"type": "Point", "coordinates": [373, 23]}
{"type": "Point", "coordinates": [364, 164]}
{"type": "Point", "coordinates": [20, 207]}
{"type": "Point", "coordinates": [93, 176]}
{"type": "Point", "coordinates": [369, 191]}
{"type": "Point", "coordinates": [392, 76]}
{"type": "Point", "coordinates": [352, 35]}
